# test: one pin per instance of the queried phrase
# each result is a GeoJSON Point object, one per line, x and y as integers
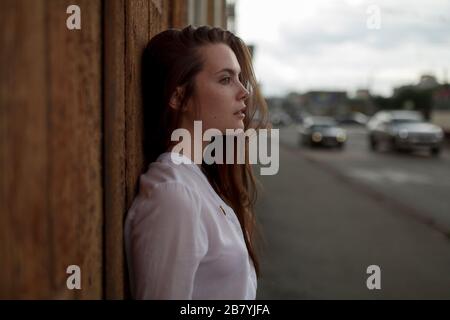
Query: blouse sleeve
{"type": "Point", "coordinates": [167, 242]}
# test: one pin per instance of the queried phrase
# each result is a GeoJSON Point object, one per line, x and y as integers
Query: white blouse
{"type": "Point", "coordinates": [181, 239]}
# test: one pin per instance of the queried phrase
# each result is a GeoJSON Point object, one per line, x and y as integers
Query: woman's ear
{"type": "Point", "coordinates": [176, 98]}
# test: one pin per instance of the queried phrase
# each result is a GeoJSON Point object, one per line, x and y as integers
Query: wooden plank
{"type": "Point", "coordinates": [51, 147]}
{"type": "Point", "coordinates": [75, 178]}
{"type": "Point", "coordinates": [137, 35]}
{"type": "Point", "coordinates": [51, 140]}
{"type": "Point", "coordinates": [127, 28]}
{"type": "Point", "coordinates": [178, 14]}
{"type": "Point", "coordinates": [162, 14]}
{"type": "Point", "coordinates": [24, 233]}
{"type": "Point", "coordinates": [114, 142]}
{"type": "Point", "coordinates": [210, 12]}
{"type": "Point", "coordinates": [143, 20]}
{"type": "Point", "coordinates": [223, 14]}
{"type": "Point", "coordinates": [91, 212]}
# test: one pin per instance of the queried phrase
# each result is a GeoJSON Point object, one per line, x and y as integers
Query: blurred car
{"type": "Point", "coordinates": [299, 116]}
{"type": "Point", "coordinates": [322, 131]}
{"type": "Point", "coordinates": [404, 130]}
{"type": "Point", "coordinates": [354, 118]}
{"type": "Point", "coordinates": [280, 118]}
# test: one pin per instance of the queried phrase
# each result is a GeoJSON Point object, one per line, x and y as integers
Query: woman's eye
{"type": "Point", "coordinates": [225, 80]}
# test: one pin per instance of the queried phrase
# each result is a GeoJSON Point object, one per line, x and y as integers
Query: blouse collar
{"type": "Point", "coordinates": [177, 158]}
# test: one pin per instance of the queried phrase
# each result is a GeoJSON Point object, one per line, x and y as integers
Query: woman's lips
{"type": "Point", "coordinates": [240, 114]}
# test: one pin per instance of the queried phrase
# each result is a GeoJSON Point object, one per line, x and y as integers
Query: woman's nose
{"type": "Point", "coordinates": [244, 93]}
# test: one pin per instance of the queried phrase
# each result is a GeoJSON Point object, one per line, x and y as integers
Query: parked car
{"type": "Point", "coordinates": [353, 118]}
{"type": "Point", "coordinates": [299, 116]}
{"type": "Point", "coordinates": [404, 130]}
{"type": "Point", "coordinates": [322, 131]}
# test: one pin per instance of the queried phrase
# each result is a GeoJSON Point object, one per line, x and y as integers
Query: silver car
{"type": "Point", "coordinates": [404, 130]}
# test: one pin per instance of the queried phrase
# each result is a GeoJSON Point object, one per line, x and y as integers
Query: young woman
{"type": "Point", "coordinates": [190, 232]}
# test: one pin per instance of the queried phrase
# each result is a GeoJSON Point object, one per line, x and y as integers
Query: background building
{"type": "Point", "coordinates": [326, 103]}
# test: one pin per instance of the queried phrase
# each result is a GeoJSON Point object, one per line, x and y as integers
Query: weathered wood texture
{"type": "Point", "coordinates": [71, 140]}
{"type": "Point", "coordinates": [51, 186]}
{"type": "Point", "coordinates": [115, 155]}
{"type": "Point", "coordinates": [75, 128]}
{"type": "Point", "coordinates": [178, 13]}
{"type": "Point", "coordinates": [128, 27]}
{"type": "Point", "coordinates": [24, 233]}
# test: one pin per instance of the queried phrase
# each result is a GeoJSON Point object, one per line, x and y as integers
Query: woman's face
{"type": "Point", "coordinates": [219, 94]}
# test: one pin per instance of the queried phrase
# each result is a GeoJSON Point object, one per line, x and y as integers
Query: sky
{"type": "Point", "coordinates": [345, 44]}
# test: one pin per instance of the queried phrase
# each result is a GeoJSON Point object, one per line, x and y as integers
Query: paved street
{"type": "Point", "coordinates": [327, 215]}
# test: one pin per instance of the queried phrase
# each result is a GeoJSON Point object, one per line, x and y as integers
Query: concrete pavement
{"type": "Point", "coordinates": [323, 232]}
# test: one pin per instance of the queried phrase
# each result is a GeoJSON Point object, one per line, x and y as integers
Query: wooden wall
{"type": "Point", "coordinates": [70, 140]}
{"type": "Point", "coordinates": [128, 27]}
{"type": "Point", "coordinates": [51, 129]}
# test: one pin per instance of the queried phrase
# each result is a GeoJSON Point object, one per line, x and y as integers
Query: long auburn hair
{"type": "Point", "coordinates": [172, 58]}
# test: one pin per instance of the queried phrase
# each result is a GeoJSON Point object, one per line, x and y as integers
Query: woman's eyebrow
{"type": "Point", "coordinates": [231, 71]}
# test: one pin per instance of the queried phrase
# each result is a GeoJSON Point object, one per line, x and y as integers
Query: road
{"type": "Point", "coordinates": [328, 214]}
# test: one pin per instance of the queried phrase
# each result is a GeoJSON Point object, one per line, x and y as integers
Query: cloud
{"type": "Point", "coordinates": [345, 24]}
{"type": "Point", "coordinates": [302, 45]}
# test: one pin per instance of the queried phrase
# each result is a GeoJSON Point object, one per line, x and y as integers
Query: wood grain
{"type": "Point", "coordinates": [75, 147]}
{"type": "Point", "coordinates": [114, 146]}
{"type": "Point", "coordinates": [71, 141]}
{"type": "Point", "coordinates": [24, 232]}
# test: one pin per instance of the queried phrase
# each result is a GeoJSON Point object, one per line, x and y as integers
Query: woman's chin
{"type": "Point", "coordinates": [240, 125]}
{"type": "Point", "coordinates": [232, 126]}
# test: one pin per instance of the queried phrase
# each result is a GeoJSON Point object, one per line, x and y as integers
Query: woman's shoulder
{"type": "Point", "coordinates": [164, 188]}
{"type": "Point", "coordinates": [163, 174]}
